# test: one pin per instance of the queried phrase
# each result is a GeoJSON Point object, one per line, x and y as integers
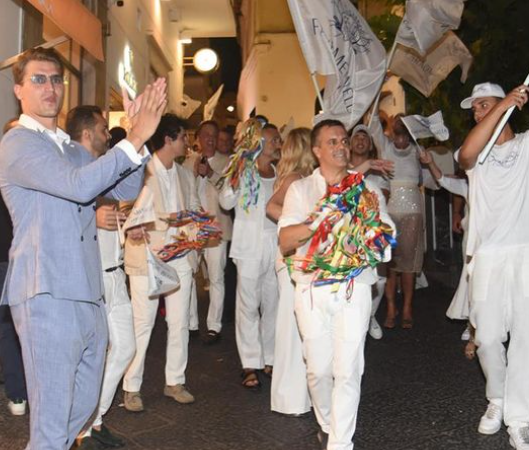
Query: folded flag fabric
{"type": "Point", "coordinates": [426, 21]}
{"type": "Point", "coordinates": [424, 127]}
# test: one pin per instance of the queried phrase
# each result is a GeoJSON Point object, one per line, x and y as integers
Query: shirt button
{"type": "Point", "coordinates": [82, 238]}
{"type": "Point", "coordinates": [79, 208]}
{"type": "Point", "coordinates": [95, 237]}
{"type": "Point", "coordinates": [94, 207]}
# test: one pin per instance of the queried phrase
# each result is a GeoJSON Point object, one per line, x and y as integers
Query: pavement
{"type": "Point", "coordinates": [418, 393]}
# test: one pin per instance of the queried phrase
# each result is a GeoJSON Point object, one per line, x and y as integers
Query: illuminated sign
{"type": "Point", "coordinates": [126, 77]}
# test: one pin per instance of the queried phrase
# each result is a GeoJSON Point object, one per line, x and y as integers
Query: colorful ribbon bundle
{"type": "Point", "coordinates": [348, 234]}
{"type": "Point", "coordinates": [197, 230]}
{"type": "Point", "coordinates": [242, 167]}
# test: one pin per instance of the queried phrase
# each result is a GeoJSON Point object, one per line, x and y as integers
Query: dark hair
{"type": "Point", "coordinates": [117, 134]}
{"type": "Point", "coordinates": [262, 119]}
{"type": "Point", "coordinates": [170, 126]}
{"type": "Point", "coordinates": [204, 124]}
{"type": "Point", "coordinates": [228, 130]}
{"type": "Point", "coordinates": [35, 54]}
{"type": "Point", "coordinates": [399, 128]}
{"type": "Point", "coordinates": [270, 126]}
{"type": "Point", "coordinates": [81, 118]}
{"type": "Point", "coordinates": [315, 133]}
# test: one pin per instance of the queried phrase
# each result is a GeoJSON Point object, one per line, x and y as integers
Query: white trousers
{"type": "Point", "coordinates": [122, 344]}
{"type": "Point", "coordinates": [289, 394]}
{"type": "Point", "coordinates": [256, 306]}
{"type": "Point", "coordinates": [193, 308]}
{"type": "Point", "coordinates": [499, 307]}
{"type": "Point", "coordinates": [216, 261]}
{"type": "Point", "coordinates": [144, 310]}
{"type": "Point", "coordinates": [334, 329]}
{"type": "Point", "coordinates": [215, 258]}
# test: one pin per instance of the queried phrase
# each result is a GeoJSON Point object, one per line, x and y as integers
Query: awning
{"type": "Point", "coordinates": [72, 17]}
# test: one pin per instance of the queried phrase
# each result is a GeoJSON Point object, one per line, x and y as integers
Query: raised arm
{"type": "Point", "coordinates": [25, 162]}
{"type": "Point", "coordinates": [479, 135]}
{"type": "Point", "coordinates": [275, 204]}
{"type": "Point", "coordinates": [380, 140]}
{"type": "Point", "coordinates": [228, 197]}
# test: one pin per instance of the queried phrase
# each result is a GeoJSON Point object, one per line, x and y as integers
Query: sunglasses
{"type": "Point", "coordinates": [41, 79]}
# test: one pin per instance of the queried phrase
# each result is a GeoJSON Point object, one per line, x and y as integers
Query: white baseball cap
{"type": "Point", "coordinates": [483, 90]}
{"type": "Point", "coordinates": [361, 128]}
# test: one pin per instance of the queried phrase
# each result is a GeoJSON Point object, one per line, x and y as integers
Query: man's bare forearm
{"type": "Point", "coordinates": [293, 237]}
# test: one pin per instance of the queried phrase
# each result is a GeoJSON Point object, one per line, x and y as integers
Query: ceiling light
{"type": "Point", "coordinates": [205, 60]}
{"type": "Point", "coordinates": [230, 108]}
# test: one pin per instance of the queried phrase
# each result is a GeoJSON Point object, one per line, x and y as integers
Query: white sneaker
{"type": "Point", "coordinates": [466, 334]}
{"type": "Point", "coordinates": [519, 437]}
{"type": "Point", "coordinates": [374, 329]}
{"type": "Point", "coordinates": [17, 407]}
{"type": "Point", "coordinates": [490, 422]}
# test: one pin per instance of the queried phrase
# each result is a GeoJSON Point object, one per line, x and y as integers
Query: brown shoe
{"type": "Point", "coordinates": [132, 401]}
{"type": "Point", "coordinates": [179, 393]}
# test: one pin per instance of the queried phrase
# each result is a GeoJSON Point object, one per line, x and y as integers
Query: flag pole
{"type": "Point", "coordinates": [377, 98]}
{"type": "Point", "coordinates": [317, 89]}
{"type": "Point", "coordinates": [497, 131]}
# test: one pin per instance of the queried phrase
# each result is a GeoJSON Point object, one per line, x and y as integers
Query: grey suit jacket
{"type": "Point", "coordinates": [51, 199]}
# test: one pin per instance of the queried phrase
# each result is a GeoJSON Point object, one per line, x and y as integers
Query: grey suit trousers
{"type": "Point", "coordinates": [63, 348]}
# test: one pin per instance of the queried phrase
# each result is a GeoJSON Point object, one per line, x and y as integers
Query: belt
{"type": "Point", "coordinates": [113, 269]}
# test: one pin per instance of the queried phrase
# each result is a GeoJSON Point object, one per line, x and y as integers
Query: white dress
{"type": "Point", "coordinates": [459, 307]}
{"type": "Point", "coordinates": [289, 393]}
{"type": "Point", "coordinates": [405, 204]}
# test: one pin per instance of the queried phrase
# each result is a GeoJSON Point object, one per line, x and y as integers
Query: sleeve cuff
{"type": "Point", "coordinates": [288, 221]}
{"type": "Point", "coordinates": [134, 156]}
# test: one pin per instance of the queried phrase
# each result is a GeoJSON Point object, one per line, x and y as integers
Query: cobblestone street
{"type": "Point", "coordinates": [419, 393]}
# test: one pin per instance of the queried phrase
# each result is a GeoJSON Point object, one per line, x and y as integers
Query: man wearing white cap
{"type": "Point", "coordinates": [499, 271]}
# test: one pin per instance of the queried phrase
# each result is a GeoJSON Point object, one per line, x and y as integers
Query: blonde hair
{"type": "Point", "coordinates": [296, 156]}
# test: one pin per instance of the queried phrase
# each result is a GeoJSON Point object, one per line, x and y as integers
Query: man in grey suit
{"type": "Point", "coordinates": [53, 284]}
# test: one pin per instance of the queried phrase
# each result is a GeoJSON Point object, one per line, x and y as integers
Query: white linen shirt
{"type": "Point", "coordinates": [498, 198]}
{"type": "Point", "coordinates": [249, 226]}
{"type": "Point", "coordinates": [301, 199]}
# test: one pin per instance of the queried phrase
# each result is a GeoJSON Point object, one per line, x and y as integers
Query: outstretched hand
{"type": "Point", "coordinates": [145, 111]}
{"type": "Point", "coordinates": [383, 166]}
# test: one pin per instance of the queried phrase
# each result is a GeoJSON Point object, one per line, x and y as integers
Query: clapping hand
{"type": "Point", "coordinates": [145, 111]}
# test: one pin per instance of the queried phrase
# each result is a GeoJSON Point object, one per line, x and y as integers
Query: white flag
{"type": "Point", "coordinates": [187, 107]}
{"type": "Point", "coordinates": [423, 127]}
{"type": "Point", "coordinates": [336, 41]}
{"type": "Point", "coordinates": [209, 107]}
{"type": "Point", "coordinates": [142, 211]}
{"type": "Point", "coordinates": [161, 276]}
{"type": "Point", "coordinates": [425, 73]}
{"type": "Point", "coordinates": [426, 21]}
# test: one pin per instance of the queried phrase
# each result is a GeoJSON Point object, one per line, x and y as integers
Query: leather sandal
{"type": "Point", "coordinates": [250, 379]}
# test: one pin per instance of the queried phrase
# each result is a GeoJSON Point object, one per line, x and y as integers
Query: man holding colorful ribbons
{"type": "Point", "coordinates": [336, 224]}
{"type": "Point", "coordinates": [174, 190]}
{"type": "Point", "coordinates": [248, 185]}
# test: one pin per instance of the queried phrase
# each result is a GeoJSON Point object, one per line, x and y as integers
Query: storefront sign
{"type": "Point", "coordinates": [126, 75]}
